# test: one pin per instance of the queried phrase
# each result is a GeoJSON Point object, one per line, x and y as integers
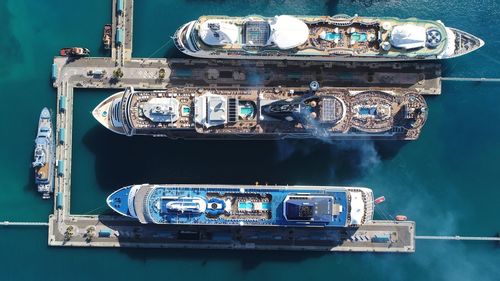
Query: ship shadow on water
{"type": "Point", "coordinates": [247, 259]}
{"type": "Point", "coordinates": [322, 162]}
{"type": "Point", "coordinates": [122, 161]}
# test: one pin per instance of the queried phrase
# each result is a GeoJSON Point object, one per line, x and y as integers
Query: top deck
{"type": "Point", "coordinates": [265, 112]}
{"type": "Point", "coordinates": [244, 205]}
{"type": "Point", "coordinates": [323, 36]}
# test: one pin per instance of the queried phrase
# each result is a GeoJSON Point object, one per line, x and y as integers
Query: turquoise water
{"type": "Point", "coordinates": [447, 180]}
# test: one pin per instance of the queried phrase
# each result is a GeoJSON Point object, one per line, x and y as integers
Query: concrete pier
{"type": "Point", "coordinates": [378, 236]}
{"type": "Point", "coordinates": [66, 229]}
{"type": "Point", "coordinates": [144, 74]}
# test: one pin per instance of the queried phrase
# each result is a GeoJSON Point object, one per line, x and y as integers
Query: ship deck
{"type": "Point", "coordinates": [272, 216]}
{"type": "Point", "coordinates": [349, 36]}
{"type": "Point", "coordinates": [391, 114]}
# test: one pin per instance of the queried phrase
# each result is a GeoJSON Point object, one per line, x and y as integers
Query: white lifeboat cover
{"type": "Point", "coordinates": [227, 34]}
{"type": "Point", "coordinates": [288, 32]}
{"type": "Point", "coordinates": [408, 36]}
{"type": "Point", "coordinates": [357, 207]}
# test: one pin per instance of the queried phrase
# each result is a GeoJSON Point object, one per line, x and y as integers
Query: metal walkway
{"type": "Point", "coordinates": [24, 223]}
{"type": "Point", "coordinates": [470, 79]}
{"type": "Point", "coordinates": [458, 238]}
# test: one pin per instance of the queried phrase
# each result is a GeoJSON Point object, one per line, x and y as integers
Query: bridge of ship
{"type": "Point", "coordinates": [251, 206]}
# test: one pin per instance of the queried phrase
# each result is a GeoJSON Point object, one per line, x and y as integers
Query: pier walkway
{"type": "Point", "coordinates": [458, 238]}
{"type": "Point", "coordinates": [144, 74]}
{"type": "Point", "coordinates": [23, 223]}
{"type": "Point", "coordinates": [122, 24]}
{"type": "Point", "coordinates": [113, 231]}
{"type": "Point", "coordinates": [469, 79]}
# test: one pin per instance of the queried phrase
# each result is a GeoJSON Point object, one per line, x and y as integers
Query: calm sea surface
{"type": "Point", "coordinates": [447, 181]}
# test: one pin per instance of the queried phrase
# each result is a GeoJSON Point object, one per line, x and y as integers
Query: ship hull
{"type": "Point", "coordinates": [189, 42]}
{"type": "Point", "coordinates": [241, 205]}
{"type": "Point", "coordinates": [44, 155]}
{"type": "Point", "coordinates": [118, 114]}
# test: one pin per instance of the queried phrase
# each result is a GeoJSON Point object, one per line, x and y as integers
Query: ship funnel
{"type": "Point", "coordinates": [314, 86]}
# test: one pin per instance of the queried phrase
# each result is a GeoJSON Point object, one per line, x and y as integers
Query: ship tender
{"type": "Point", "coordinates": [320, 206]}
{"type": "Point", "coordinates": [264, 113]}
{"type": "Point", "coordinates": [322, 38]}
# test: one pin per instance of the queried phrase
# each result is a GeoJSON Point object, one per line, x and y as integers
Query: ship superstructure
{"type": "Point", "coordinates": [321, 206]}
{"type": "Point", "coordinates": [43, 162]}
{"type": "Point", "coordinates": [264, 113]}
{"type": "Point", "coordinates": [323, 38]}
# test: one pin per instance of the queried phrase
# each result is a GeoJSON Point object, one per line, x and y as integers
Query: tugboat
{"type": "Point", "coordinates": [74, 52]}
{"type": "Point", "coordinates": [106, 37]}
{"type": "Point", "coordinates": [44, 155]}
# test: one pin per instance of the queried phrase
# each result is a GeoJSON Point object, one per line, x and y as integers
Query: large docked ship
{"type": "Point", "coordinates": [44, 155]}
{"type": "Point", "coordinates": [322, 38]}
{"type": "Point", "coordinates": [264, 113]}
{"type": "Point", "coordinates": [320, 206]}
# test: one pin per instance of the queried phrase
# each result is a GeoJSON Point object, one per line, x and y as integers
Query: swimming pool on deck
{"type": "Point", "coordinates": [254, 206]}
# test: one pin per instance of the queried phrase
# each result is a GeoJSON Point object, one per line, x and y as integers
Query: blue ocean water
{"type": "Point", "coordinates": [447, 180]}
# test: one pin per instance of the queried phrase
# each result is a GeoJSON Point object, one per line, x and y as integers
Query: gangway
{"type": "Point", "coordinates": [470, 79]}
{"type": "Point", "coordinates": [458, 238]}
{"type": "Point", "coordinates": [23, 223]}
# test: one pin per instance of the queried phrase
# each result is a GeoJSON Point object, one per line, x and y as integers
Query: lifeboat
{"type": "Point", "coordinates": [401, 218]}
{"type": "Point", "coordinates": [379, 200]}
{"type": "Point", "coordinates": [106, 37]}
{"type": "Point", "coordinates": [74, 52]}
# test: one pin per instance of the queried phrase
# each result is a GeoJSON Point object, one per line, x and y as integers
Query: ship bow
{"type": "Point", "coordinates": [118, 201]}
{"type": "Point", "coordinates": [465, 42]}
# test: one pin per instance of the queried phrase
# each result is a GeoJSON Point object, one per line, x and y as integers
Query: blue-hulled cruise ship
{"type": "Point", "coordinates": [322, 206]}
